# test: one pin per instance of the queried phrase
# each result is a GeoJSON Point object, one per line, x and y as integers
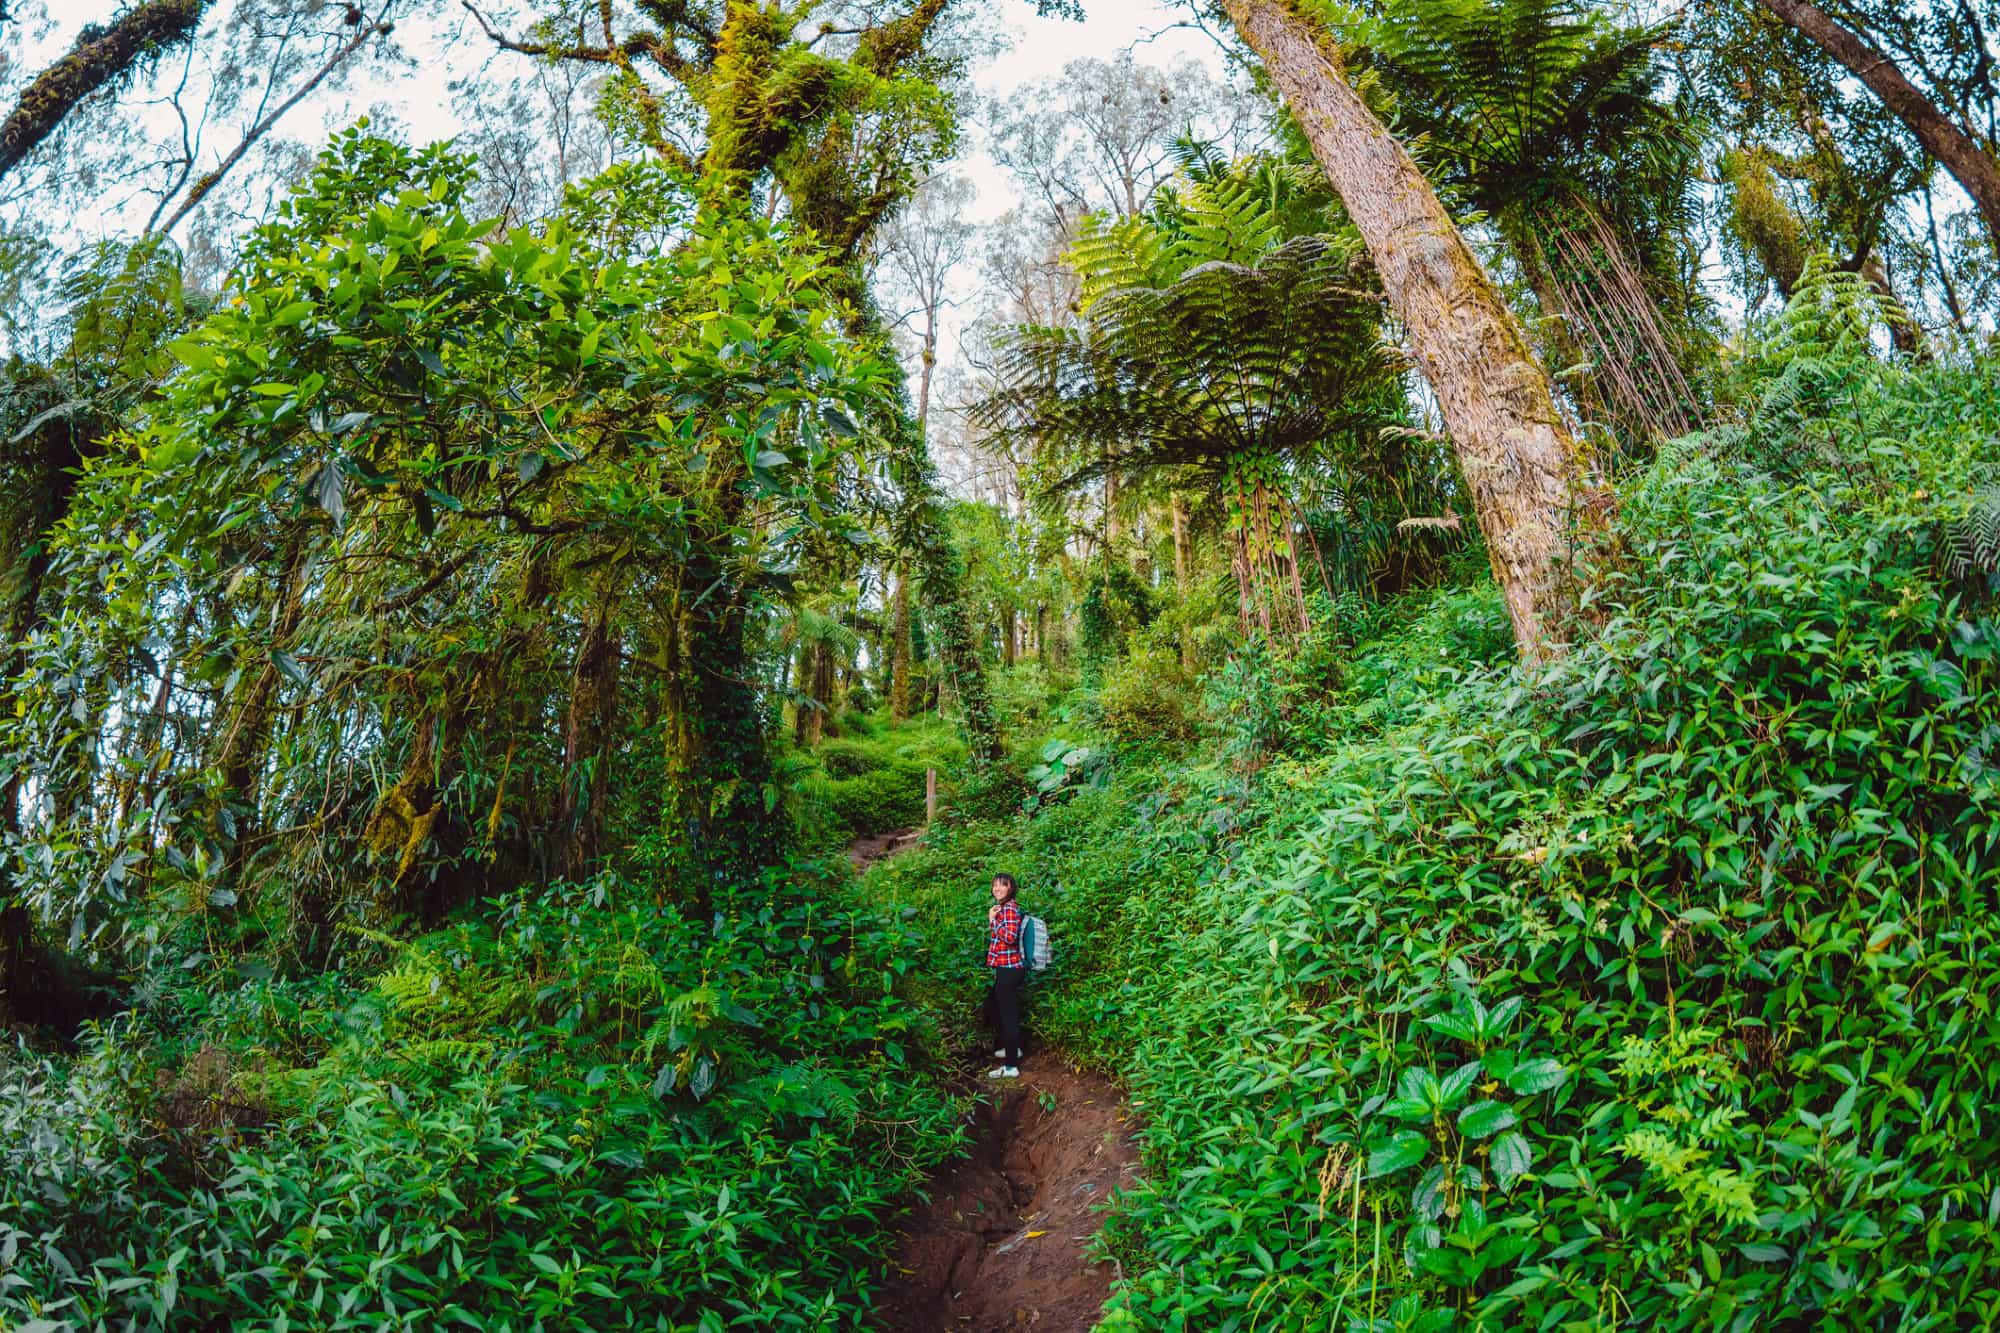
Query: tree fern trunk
{"type": "Point", "coordinates": [1179, 514]}
{"type": "Point", "coordinates": [1519, 462]}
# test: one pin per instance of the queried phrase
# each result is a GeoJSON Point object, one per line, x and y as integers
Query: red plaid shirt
{"type": "Point", "coordinates": [1003, 938]}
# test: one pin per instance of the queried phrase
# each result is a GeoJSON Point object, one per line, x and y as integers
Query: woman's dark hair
{"type": "Point", "coordinates": [1007, 880]}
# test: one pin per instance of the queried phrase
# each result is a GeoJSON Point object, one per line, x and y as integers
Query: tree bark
{"type": "Point", "coordinates": [899, 660]}
{"type": "Point", "coordinates": [1959, 152]}
{"type": "Point", "coordinates": [1177, 509]}
{"type": "Point", "coordinates": [99, 56]}
{"type": "Point", "coordinates": [587, 736]}
{"type": "Point", "coordinates": [241, 755]}
{"type": "Point", "coordinates": [1518, 459]}
{"type": "Point", "coordinates": [59, 450]}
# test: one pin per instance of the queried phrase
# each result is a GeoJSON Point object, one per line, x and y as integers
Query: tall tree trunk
{"type": "Point", "coordinates": [1177, 508]}
{"type": "Point", "coordinates": [60, 449]}
{"type": "Point", "coordinates": [929, 364]}
{"type": "Point", "coordinates": [818, 689]}
{"type": "Point", "coordinates": [899, 659]}
{"type": "Point", "coordinates": [243, 745]}
{"type": "Point", "coordinates": [1959, 152]}
{"type": "Point", "coordinates": [1519, 462]}
{"type": "Point", "coordinates": [587, 734]}
{"type": "Point", "coordinates": [1110, 512]}
{"type": "Point", "coordinates": [718, 765]}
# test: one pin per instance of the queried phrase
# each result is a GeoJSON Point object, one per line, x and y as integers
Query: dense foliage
{"type": "Point", "coordinates": [582, 1107]}
{"type": "Point", "coordinates": [1504, 730]}
{"type": "Point", "coordinates": [1649, 989]}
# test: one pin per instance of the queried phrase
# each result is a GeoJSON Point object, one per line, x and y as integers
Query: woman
{"type": "Point", "coordinates": [1010, 973]}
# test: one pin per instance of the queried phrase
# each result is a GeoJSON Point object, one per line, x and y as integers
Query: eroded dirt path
{"type": "Point", "coordinates": [865, 852]}
{"type": "Point", "coordinates": [1001, 1243]}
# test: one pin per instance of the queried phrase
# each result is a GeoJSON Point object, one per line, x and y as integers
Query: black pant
{"type": "Point", "coordinates": [1004, 1003]}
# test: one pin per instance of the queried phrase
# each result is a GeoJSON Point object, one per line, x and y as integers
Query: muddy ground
{"type": "Point", "coordinates": [1001, 1243]}
{"type": "Point", "coordinates": [864, 852]}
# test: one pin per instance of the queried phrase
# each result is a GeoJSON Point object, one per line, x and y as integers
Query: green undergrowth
{"type": "Point", "coordinates": [870, 778]}
{"type": "Point", "coordinates": [1651, 989]}
{"type": "Point", "coordinates": [580, 1109]}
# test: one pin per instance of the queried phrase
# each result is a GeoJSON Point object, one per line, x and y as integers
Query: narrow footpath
{"type": "Point", "coordinates": [1001, 1242]}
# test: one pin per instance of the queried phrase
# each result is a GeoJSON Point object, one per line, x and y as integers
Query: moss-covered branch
{"type": "Point", "coordinates": [100, 57]}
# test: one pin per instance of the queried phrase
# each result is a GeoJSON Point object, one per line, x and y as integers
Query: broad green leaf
{"type": "Point", "coordinates": [289, 667]}
{"type": "Point", "coordinates": [1483, 1120]}
{"type": "Point", "coordinates": [1458, 1083]}
{"type": "Point", "coordinates": [1534, 1076]}
{"type": "Point", "coordinates": [1402, 1149]}
{"type": "Point", "coordinates": [1509, 1159]}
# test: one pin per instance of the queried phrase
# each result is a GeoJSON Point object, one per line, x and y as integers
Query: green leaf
{"type": "Point", "coordinates": [1483, 1120]}
{"type": "Point", "coordinates": [531, 466]}
{"type": "Point", "coordinates": [1499, 1018]}
{"type": "Point", "coordinates": [1760, 1253]}
{"type": "Point", "coordinates": [331, 492]}
{"type": "Point", "coordinates": [289, 667]}
{"type": "Point", "coordinates": [1404, 1148]}
{"type": "Point", "coordinates": [1457, 1083]}
{"type": "Point", "coordinates": [1456, 1026]}
{"type": "Point", "coordinates": [1509, 1159]}
{"type": "Point", "coordinates": [1536, 1076]}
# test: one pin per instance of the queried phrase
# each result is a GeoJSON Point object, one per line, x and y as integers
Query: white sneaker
{"type": "Point", "coordinates": [1004, 1071]}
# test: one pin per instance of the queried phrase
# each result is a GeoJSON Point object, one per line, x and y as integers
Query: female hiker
{"type": "Point", "coordinates": [1010, 973]}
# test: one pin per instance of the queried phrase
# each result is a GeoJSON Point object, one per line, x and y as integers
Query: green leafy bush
{"type": "Point", "coordinates": [1148, 698]}
{"type": "Point", "coordinates": [584, 1110]}
{"type": "Point", "coordinates": [1650, 990]}
{"type": "Point", "coordinates": [878, 800]}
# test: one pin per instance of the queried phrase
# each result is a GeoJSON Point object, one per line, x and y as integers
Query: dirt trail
{"type": "Point", "coordinates": [865, 852]}
{"type": "Point", "coordinates": [1001, 1243]}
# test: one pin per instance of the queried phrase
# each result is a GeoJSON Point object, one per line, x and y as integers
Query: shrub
{"type": "Point", "coordinates": [1649, 990]}
{"type": "Point", "coordinates": [879, 800]}
{"type": "Point", "coordinates": [843, 758]}
{"type": "Point", "coordinates": [660, 1123]}
{"type": "Point", "coordinates": [1146, 696]}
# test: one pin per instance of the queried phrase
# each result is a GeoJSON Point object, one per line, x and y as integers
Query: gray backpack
{"type": "Point", "coordinates": [1035, 946]}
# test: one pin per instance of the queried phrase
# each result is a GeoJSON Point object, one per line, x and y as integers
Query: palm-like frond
{"type": "Point", "coordinates": [1271, 357]}
{"type": "Point", "coordinates": [1520, 102]}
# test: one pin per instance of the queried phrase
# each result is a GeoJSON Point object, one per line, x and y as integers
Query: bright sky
{"type": "Point", "coordinates": [446, 45]}
{"type": "Point", "coordinates": [416, 102]}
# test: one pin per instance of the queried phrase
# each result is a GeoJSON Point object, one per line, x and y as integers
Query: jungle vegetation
{"type": "Point", "coordinates": [1452, 548]}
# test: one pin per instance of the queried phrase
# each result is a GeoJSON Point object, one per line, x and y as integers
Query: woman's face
{"type": "Point", "coordinates": [999, 891]}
